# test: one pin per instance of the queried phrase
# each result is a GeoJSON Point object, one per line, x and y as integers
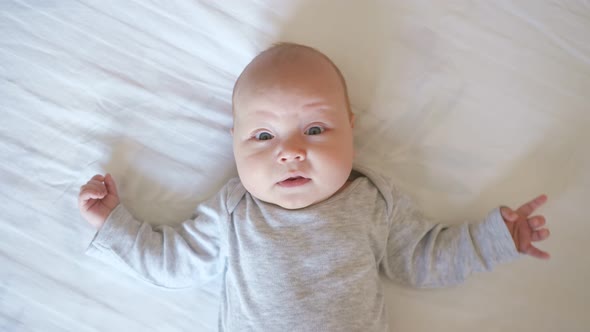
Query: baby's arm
{"type": "Point", "coordinates": [423, 253]}
{"type": "Point", "coordinates": [169, 257]}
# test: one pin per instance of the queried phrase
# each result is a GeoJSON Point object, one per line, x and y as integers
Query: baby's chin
{"type": "Point", "coordinates": [293, 206]}
{"type": "Point", "coordinates": [292, 202]}
{"type": "Point", "coordinates": [294, 198]}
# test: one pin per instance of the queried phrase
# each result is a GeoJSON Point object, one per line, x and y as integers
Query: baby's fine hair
{"type": "Point", "coordinates": [288, 49]}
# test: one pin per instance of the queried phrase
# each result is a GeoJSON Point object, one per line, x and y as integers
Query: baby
{"type": "Point", "coordinates": [299, 238]}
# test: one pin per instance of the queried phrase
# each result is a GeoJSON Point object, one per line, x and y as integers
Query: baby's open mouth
{"type": "Point", "coordinates": [294, 181]}
{"type": "Point", "coordinates": [295, 178]}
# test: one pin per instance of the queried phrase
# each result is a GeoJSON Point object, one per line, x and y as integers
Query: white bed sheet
{"type": "Point", "coordinates": [467, 104]}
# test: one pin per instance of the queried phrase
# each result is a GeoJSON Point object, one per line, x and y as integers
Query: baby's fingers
{"type": "Point", "coordinates": [111, 186]}
{"type": "Point", "coordinates": [535, 252]}
{"type": "Point", "coordinates": [97, 177]}
{"type": "Point", "coordinates": [96, 186]}
{"type": "Point", "coordinates": [90, 191]}
{"type": "Point", "coordinates": [536, 222]}
{"type": "Point", "coordinates": [528, 208]}
{"type": "Point", "coordinates": [88, 194]}
{"type": "Point", "coordinates": [508, 214]}
{"type": "Point", "coordinates": [540, 235]}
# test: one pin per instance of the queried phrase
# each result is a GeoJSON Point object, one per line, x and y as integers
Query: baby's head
{"type": "Point", "coordinates": [292, 134]}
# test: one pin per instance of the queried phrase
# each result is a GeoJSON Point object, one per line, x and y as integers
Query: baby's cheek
{"type": "Point", "coordinates": [338, 154]}
{"type": "Point", "coordinates": [336, 165]}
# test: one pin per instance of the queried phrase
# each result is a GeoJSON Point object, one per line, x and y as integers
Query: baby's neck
{"type": "Point", "coordinates": [353, 175]}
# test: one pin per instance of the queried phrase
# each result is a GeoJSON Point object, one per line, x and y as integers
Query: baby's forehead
{"type": "Point", "coordinates": [285, 67]}
{"type": "Point", "coordinates": [282, 64]}
{"type": "Point", "coordinates": [293, 70]}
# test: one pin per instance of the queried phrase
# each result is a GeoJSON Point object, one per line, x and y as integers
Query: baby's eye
{"type": "Point", "coordinates": [264, 136]}
{"type": "Point", "coordinates": [315, 130]}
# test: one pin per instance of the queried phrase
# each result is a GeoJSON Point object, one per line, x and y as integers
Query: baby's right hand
{"type": "Point", "coordinates": [97, 199]}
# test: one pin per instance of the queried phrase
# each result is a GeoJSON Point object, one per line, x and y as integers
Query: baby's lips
{"type": "Point", "coordinates": [294, 182]}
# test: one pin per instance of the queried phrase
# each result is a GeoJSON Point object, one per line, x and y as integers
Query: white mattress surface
{"type": "Point", "coordinates": [466, 104]}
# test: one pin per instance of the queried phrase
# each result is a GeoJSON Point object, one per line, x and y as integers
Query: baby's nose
{"type": "Point", "coordinates": [289, 154]}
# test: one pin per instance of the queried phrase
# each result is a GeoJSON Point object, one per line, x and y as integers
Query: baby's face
{"type": "Point", "coordinates": [292, 135]}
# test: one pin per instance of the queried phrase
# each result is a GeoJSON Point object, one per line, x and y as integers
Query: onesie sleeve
{"type": "Point", "coordinates": [187, 255]}
{"type": "Point", "coordinates": [423, 253]}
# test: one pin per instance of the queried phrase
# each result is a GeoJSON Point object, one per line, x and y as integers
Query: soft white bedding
{"type": "Point", "coordinates": [467, 104]}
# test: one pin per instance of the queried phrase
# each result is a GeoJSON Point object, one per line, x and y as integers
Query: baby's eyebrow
{"type": "Point", "coordinates": [264, 113]}
{"type": "Point", "coordinates": [318, 109]}
{"type": "Point", "coordinates": [317, 105]}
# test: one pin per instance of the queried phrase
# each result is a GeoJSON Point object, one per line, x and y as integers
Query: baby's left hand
{"type": "Point", "coordinates": [526, 229]}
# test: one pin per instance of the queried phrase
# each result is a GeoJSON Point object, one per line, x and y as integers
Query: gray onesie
{"type": "Point", "coordinates": [312, 269]}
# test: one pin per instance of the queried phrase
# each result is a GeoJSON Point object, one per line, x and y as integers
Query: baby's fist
{"type": "Point", "coordinates": [97, 199]}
